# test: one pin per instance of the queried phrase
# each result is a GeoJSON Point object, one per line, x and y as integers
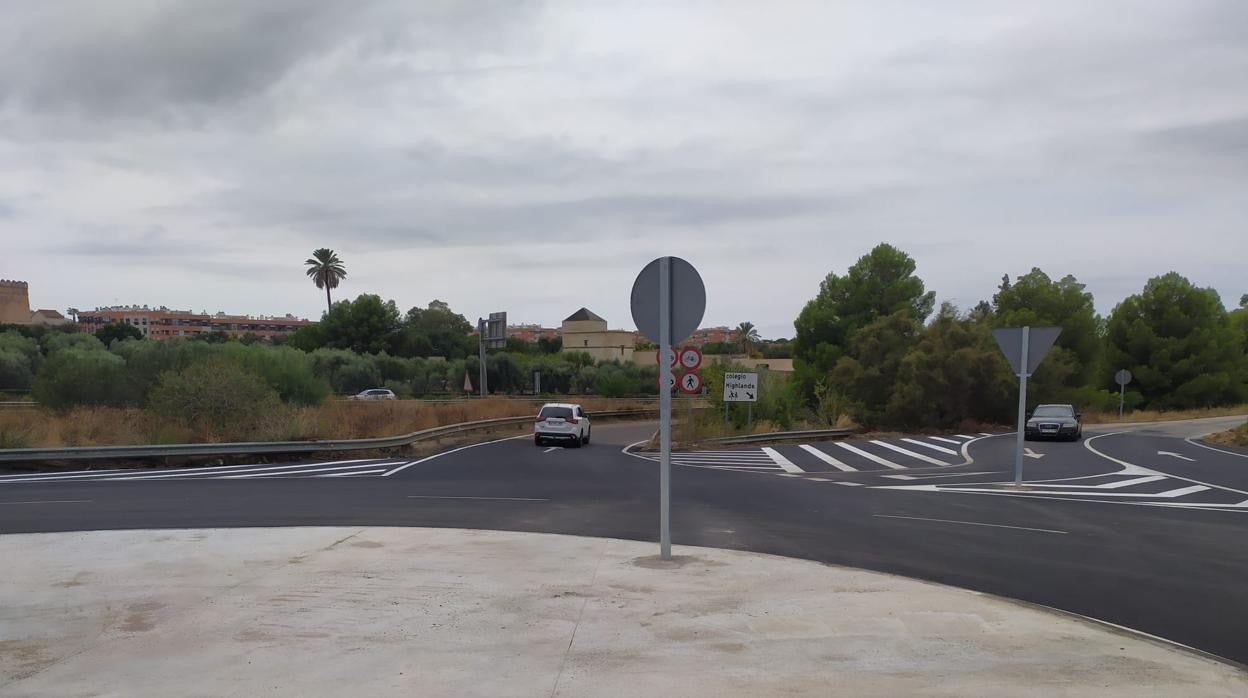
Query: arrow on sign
{"type": "Point", "coordinates": [1032, 454]}
{"type": "Point", "coordinates": [1176, 455]}
{"type": "Point", "coordinates": [749, 395]}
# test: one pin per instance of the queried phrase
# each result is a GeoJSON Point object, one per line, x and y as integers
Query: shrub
{"type": "Point", "coordinates": [346, 371]}
{"type": "Point", "coordinates": [216, 398]}
{"type": "Point", "coordinates": [54, 342]}
{"type": "Point", "coordinates": [74, 376]}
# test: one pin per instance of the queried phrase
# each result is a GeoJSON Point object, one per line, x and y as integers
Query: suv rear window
{"type": "Point", "coordinates": [549, 411]}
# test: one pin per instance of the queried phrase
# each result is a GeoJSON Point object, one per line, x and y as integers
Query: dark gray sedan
{"type": "Point", "coordinates": [1054, 422]}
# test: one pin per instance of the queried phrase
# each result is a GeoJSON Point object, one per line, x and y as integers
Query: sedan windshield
{"type": "Point", "coordinates": [1053, 411]}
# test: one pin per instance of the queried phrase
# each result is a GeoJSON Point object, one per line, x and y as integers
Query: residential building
{"type": "Point", "coordinates": [531, 333]}
{"type": "Point", "coordinates": [586, 332]}
{"type": "Point", "coordinates": [162, 323]}
{"type": "Point", "coordinates": [709, 335]}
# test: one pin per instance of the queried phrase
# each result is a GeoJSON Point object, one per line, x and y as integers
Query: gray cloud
{"type": "Point", "coordinates": [564, 145]}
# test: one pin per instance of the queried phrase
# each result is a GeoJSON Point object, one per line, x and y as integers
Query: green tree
{"type": "Point", "coordinates": [1035, 299]}
{"type": "Point", "coordinates": [366, 325]}
{"type": "Point", "coordinates": [347, 372]}
{"type": "Point", "coordinates": [54, 342]}
{"type": "Point", "coordinates": [954, 373]}
{"type": "Point", "coordinates": [445, 332]}
{"type": "Point", "coordinates": [867, 373]}
{"type": "Point", "coordinates": [117, 330]}
{"type": "Point", "coordinates": [879, 284]}
{"type": "Point", "coordinates": [20, 359]}
{"type": "Point", "coordinates": [746, 336]}
{"type": "Point", "coordinates": [326, 271]}
{"type": "Point", "coordinates": [1178, 342]}
{"type": "Point", "coordinates": [213, 337]}
{"type": "Point", "coordinates": [549, 345]}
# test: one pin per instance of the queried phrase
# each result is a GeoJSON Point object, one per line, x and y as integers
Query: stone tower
{"type": "Point", "coordinates": [14, 302]}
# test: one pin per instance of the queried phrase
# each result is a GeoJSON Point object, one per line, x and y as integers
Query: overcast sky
{"type": "Point", "coordinates": [532, 157]}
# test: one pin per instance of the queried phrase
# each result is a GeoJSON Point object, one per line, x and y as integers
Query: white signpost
{"type": "Point", "coordinates": [668, 302]}
{"type": "Point", "coordinates": [1024, 347]}
{"type": "Point", "coordinates": [740, 387]}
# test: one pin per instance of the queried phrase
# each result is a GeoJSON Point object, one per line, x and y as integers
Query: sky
{"type": "Point", "coordinates": [533, 157]}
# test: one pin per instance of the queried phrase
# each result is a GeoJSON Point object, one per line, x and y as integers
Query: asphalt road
{"type": "Point", "coordinates": [1143, 529]}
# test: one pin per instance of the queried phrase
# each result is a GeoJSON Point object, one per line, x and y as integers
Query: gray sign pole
{"type": "Point", "coordinates": [1022, 408]}
{"type": "Point", "coordinates": [481, 387]}
{"type": "Point", "coordinates": [665, 407]}
{"type": "Point", "coordinates": [1122, 397]}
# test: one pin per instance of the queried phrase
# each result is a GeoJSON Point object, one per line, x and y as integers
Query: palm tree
{"type": "Point", "coordinates": [326, 270]}
{"type": "Point", "coordinates": [73, 313]}
{"type": "Point", "coordinates": [746, 335]}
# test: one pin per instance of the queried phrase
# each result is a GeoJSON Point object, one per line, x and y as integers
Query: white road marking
{"type": "Point", "coordinates": [353, 474]}
{"type": "Point", "coordinates": [137, 473]}
{"type": "Point", "coordinates": [784, 463]}
{"type": "Point", "coordinates": [848, 484]}
{"type": "Point", "coordinates": [1139, 470]}
{"type": "Point", "coordinates": [908, 452]}
{"type": "Point", "coordinates": [948, 441]}
{"type": "Point", "coordinates": [789, 474]}
{"type": "Point", "coordinates": [453, 450]}
{"type": "Point", "coordinates": [1032, 454]}
{"type": "Point", "coordinates": [1211, 448]}
{"type": "Point", "coordinates": [818, 479]}
{"type": "Point", "coordinates": [283, 473]}
{"type": "Point", "coordinates": [53, 501]}
{"type": "Point", "coordinates": [552, 448]}
{"type": "Point", "coordinates": [899, 477]}
{"type": "Point", "coordinates": [964, 436]}
{"type": "Point", "coordinates": [970, 523]}
{"type": "Point", "coordinates": [871, 456]}
{"type": "Point", "coordinates": [1116, 485]}
{"type": "Point", "coordinates": [1180, 456]}
{"type": "Point", "coordinates": [984, 433]}
{"type": "Point", "coordinates": [488, 499]}
{"type": "Point", "coordinates": [828, 459]}
{"type": "Point", "coordinates": [934, 447]}
{"type": "Point", "coordinates": [1008, 490]}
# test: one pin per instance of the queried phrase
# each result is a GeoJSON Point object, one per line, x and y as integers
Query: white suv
{"type": "Point", "coordinates": [374, 394]}
{"type": "Point", "coordinates": [561, 422]}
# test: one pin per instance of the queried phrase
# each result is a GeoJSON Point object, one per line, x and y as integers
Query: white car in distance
{"type": "Point", "coordinates": [374, 394]}
{"type": "Point", "coordinates": [561, 423]}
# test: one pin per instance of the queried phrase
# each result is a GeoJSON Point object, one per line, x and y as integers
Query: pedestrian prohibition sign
{"type": "Point", "coordinates": [691, 383]}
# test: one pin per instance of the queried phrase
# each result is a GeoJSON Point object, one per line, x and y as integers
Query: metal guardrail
{"type": "Point", "coordinates": [17, 404]}
{"type": "Point", "coordinates": [261, 447]}
{"type": "Point", "coordinates": [784, 436]}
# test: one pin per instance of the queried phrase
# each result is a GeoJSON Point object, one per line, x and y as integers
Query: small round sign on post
{"type": "Point", "coordinates": [691, 383]}
{"type": "Point", "coordinates": [1122, 377]}
{"type": "Point", "coordinates": [690, 358]}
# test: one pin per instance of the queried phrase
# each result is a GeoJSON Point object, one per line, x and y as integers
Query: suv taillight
{"type": "Point", "coordinates": [572, 420]}
{"type": "Point", "coordinates": [540, 419]}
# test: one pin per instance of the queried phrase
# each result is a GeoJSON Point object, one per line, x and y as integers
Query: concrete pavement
{"type": "Point", "coordinates": [418, 611]}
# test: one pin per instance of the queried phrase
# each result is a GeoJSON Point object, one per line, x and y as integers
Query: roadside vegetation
{"type": "Point", "coordinates": [872, 349]}
{"type": "Point", "coordinates": [1232, 437]}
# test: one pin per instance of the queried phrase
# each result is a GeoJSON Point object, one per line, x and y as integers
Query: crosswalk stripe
{"type": "Point", "coordinates": [353, 474]}
{"type": "Point", "coordinates": [1113, 485]}
{"type": "Point", "coordinates": [784, 463]}
{"type": "Point", "coordinates": [964, 436]}
{"type": "Point", "coordinates": [870, 456]}
{"type": "Point", "coordinates": [221, 473]}
{"type": "Point", "coordinates": [907, 452]}
{"type": "Point", "coordinates": [828, 459]}
{"type": "Point", "coordinates": [934, 447]}
{"type": "Point", "coordinates": [245, 476]}
{"type": "Point", "coordinates": [948, 441]}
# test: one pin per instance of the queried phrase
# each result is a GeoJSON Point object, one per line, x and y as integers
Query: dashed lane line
{"type": "Point", "coordinates": [871, 456]}
{"type": "Point", "coordinates": [907, 452]}
{"type": "Point", "coordinates": [828, 459]}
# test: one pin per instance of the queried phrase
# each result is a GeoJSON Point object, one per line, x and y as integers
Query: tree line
{"type": "Point", "coordinates": [873, 345]}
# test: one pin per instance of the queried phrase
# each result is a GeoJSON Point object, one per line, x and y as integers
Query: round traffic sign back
{"type": "Point", "coordinates": [1122, 377]}
{"type": "Point", "coordinates": [671, 380]}
{"type": "Point", "coordinates": [688, 299]}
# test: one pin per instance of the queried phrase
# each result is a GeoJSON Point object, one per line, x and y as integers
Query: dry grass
{"type": "Point", "coordinates": [1090, 417]}
{"type": "Point", "coordinates": [106, 426]}
{"type": "Point", "coordinates": [1231, 437]}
